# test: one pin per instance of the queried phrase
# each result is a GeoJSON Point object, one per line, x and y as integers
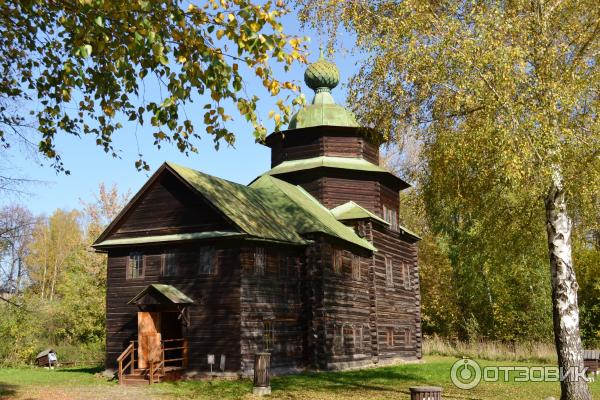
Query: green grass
{"type": "Point", "coordinates": [378, 383]}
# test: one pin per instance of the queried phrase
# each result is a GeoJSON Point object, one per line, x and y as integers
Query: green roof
{"type": "Point", "coordinates": [351, 210]}
{"type": "Point", "coordinates": [172, 294]}
{"type": "Point", "coordinates": [409, 232]}
{"type": "Point", "coordinates": [322, 113]}
{"type": "Point", "coordinates": [358, 164]}
{"type": "Point", "coordinates": [178, 237]}
{"type": "Point", "coordinates": [268, 209]}
{"type": "Point", "coordinates": [303, 212]}
{"type": "Point", "coordinates": [244, 206]}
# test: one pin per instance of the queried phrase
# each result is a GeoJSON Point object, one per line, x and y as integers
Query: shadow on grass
{"type": "Point", "coordinates": [83, 369]}
{"type": "Point", "coordinates": [379, 379]}
{"type": "Point", "coordinates": [7, 389]}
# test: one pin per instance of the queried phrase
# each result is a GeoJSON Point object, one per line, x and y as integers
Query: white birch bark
{"type": "Point", "coordinates": [564, 292]}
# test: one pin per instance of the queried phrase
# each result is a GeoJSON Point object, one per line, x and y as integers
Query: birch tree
{"type": "Point", "coordinates": [504, 92]}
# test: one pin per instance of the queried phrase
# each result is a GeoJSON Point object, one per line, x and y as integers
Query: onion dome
{"type": "Point", "coordinates": [322, 76]}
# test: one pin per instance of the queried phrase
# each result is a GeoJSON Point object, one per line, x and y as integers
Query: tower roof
{"type": "Point", "coordinates": [322, 76]}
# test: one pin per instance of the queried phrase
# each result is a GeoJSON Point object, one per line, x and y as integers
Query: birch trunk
{"type": "Point", "coordinates": [564, 293]}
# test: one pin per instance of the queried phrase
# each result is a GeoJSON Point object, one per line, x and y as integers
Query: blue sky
{"type": "Point", "coordinates": [90, 166]}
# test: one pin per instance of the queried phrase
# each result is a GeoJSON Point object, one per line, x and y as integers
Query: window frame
{"type": "Point", "coordinates": [213, 260]}
{"type": "Point", "coordinates": [337, 345]}
{"type": "Point", "coordinates": [268, 334]}
{"type": "Point", "coordinates": [355, 265]}
{"type": "Point", "coordinates": [406, 275]}
{"type": "Point", "coordinates": [170, 254]}
{"type": "Point", "coordinates": [389, 271]}
{"type": "Point", "coordinates": [260, 261]}
{"type": "Point", "coordinates": [337, 260]}
{"type": "Point", "coordinates": [407, 336]}
{"type": "Point", "coordinates": [390, 339]}
{"type": "Point", "coordinates": [348, 338]}
{"type": "Point", "coordinates": [141, 266]}
{"type": "Point", "coordinates": [390, 215]}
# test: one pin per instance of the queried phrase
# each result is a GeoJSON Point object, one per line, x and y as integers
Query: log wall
{"type": "Point", "coordinates": [296, 148]}
{"type": "Point", "coordinates": [214, 317]}
{"type": "Point", "coordinates": [271, 298]}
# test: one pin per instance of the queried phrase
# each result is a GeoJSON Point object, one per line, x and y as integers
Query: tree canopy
{"type": "Point", "coordinates": [503, 98]}
{"type": "Point", "coordinates": [80, 67]}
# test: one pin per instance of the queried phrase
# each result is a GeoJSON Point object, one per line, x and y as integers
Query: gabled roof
{"type": "Point", "coordinates": [351, 210]}
{"type": "Point", "coordinates": [170, 293]}
{"type": "Point", "coordinates": [244, 206]}
{"type": "Point", "coordinates": [304, 212]}
{"type": "Point", "coordinates": [268, 209]}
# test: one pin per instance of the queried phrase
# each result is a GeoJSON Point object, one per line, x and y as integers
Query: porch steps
{"type": "Point", "coordinates": [139, 377]}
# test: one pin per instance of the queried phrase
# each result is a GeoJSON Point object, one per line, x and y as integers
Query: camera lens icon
{"type": "Point", "coordinates": [465, 374]}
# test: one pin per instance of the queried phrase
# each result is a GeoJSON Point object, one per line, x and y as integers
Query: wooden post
{"type": "Point", "coordinates": [120, 372]}
{"type": "Point", "coordinates": [185, 353]}
{"type": "Point", "coordinates": [426, 393]}
{"type": "Point", "coordinates": [132, 368]}
{"type": "Point", "coordinates": [262, 371]}
{"type": "Point", "coordinates": [162, 360]}
{"type": "Point", "coordinates": [151, 372]}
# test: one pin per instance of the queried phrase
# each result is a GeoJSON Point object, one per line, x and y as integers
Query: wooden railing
{"type": "Point", "coordinates": [174, 353]}
{"type": "Point", "coordinates": [127, 357]}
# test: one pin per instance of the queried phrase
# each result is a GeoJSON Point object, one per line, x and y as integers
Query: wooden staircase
{"type": "Point", "coordinates": [158, 370]}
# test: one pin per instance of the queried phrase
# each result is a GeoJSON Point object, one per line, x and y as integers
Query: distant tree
{"type": "Point", "coordinates": [86, 64]}
{"type": "Point", "coordinates": [56, 243]}
{"type": "Point", "coordinates": [16, 225]}
{"type": "Point", "coordinates": [505, 98]}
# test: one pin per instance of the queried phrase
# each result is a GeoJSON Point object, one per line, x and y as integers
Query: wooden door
{"type": "Point", "coordinates": [149, 338]}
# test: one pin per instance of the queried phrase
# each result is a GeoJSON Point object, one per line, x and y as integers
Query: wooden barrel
{"type": "Point", "coordinates": [262, 367]}
{"type": "Point", "coordinates": [426, 393]}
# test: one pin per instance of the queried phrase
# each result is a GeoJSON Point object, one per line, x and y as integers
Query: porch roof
{"type": "Point", "coordinates": [172, 294]}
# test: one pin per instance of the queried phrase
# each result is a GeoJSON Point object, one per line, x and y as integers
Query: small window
{"type": "Point", "coordinates": [356, 267]}
{"type": "Point", "coordinates": [170, 261]}
{"type": "Point", "coordinates": [390, 337]}
{"type": "Point", "coordinates": [338, 339]}
{"type": "Point", "coordinates": [259, 261]}
{"type": "Point", "coordinates": [389, 272]}
{"type": "Point", "coordinates": [391, 216]}
{"type": "Point", "coordinates": [135, 266]}
{"type": "Point", "coordinates": [206, 260]}
{"type": "Point", "coordinates": [348, 338]}
{"type": "Point", "coordinates": [359, 338]}
{"type": "Point", "coordinates": [337, 261]}
{"type": "Point", "coordinates": [268, 335]}
{"type": "Point", "coordinates": [406, 276]}
{"type": "Point", "coordinates": [407, 336]}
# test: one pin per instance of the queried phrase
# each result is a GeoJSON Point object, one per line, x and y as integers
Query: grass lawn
{"type": "Point", "coordinates": [378, 383]}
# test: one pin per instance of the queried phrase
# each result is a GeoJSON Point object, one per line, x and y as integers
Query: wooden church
{"type": "Point", "coordinates": [308, 262]}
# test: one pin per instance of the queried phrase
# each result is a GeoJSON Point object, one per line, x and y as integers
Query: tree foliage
{"type": "Point", "coordinates": [61, 300]}
{"type": "Point", "coordinates": [87, 65]}
{"type": "Point", "coordinates": [503, 98]}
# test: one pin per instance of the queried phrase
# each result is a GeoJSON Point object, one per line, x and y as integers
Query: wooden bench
{"type": "Point", "coordinates": [591, 360]}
